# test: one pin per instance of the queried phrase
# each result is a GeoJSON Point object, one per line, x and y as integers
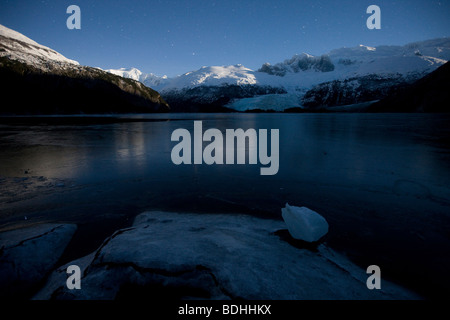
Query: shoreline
{"type": "Point", "coordinates": [379, 182]}
{"type": "Point", "coordinates": [164, 244]}
{"type": "Point", "coordinates": [77, 249]}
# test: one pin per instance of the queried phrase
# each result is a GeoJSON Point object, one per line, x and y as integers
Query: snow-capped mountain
{"type": "Point", "coordinates": [130, 73]}
{"type": "Point", "coordinates": [42, 81]}
{"type": "Point", "coordinates": [421, 57]}
{"type": "Point", "coordinates": [16, 46]}
{"type": "Point", "coordinates": [348, 75]}
{"type": "Point", "coordinates": [345, 75]}
{"type": "Point", "coordinates": [213, 76]}
{"type": "Point", "coordinates": [149, 79]}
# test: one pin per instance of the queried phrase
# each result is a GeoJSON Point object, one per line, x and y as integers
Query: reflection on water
{"type": "Point", "coordinates": [346, 150]}
{"type": "Point", "coordinates": [369, 175]}
{"type": "Point", "coordinates": [356, 151]}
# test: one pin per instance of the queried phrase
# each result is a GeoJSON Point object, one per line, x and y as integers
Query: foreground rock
{"type": "Point", "coordinates": [28, 255]}
{"type": "Point", "coordinates": [171, 255]}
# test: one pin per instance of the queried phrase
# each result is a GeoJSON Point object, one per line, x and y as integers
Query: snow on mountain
{"type": "Point", "coordinates": [152, 80]}
{"type": "Point", "coordinates": [285, 84]}
{"type": "Point", "coordinates": [213, 76]}
{"type": "Point", "coordinates": [354, 74]}
{"type": "Point", "coordinates": [305, 70]}
{"type": "Point", "coordinates": [9, 33]}
{"type": "Point", "coordinates": [149, 79]}
{"type": "Point", "coordinates": [299, 63]}
{"type": "Point", "coordinates": [16, 46]}
{"type": "Point", "coordinates": [412, 59]}
{"type": "Point", "coordinates": [205, 76]}
{"type": "Point", "coordinates": [130, 73]}
{"type": "Point", "coordinates": [39, 80]}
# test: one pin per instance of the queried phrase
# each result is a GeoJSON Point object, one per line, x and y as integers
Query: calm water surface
{"type": "Point", "coordinates": [381, 180]}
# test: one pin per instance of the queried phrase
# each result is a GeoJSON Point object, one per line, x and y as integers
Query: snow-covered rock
{"type": "Point", "coordinates": [213, 256]}
{"type": "Point", "coordinates": [299, 63]}
{"type": "Point", "coordinates": [27, 255]}
{"type": "Point", "coordinates": [149, 79]}
{"type": "Point", "coordinates": [352, 91]}
{"type": "Point", "coordinates": [304, 224]}
{"type": "Point", "coordinates": [213, 76]}
{"type": "Point", "coordinates": [16, 46]}
{"type": "Point", "coordinates": [130, 73]}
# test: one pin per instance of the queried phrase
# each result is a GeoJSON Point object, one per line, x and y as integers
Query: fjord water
{"type": "Point", "coordinates": [382, 181]}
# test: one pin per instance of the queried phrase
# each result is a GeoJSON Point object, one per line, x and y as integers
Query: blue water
{"type": "Point", "coordinates": [381, 180]}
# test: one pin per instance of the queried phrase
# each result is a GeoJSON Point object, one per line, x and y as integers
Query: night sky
{"type": "Point", "coordinates": [173, 37]}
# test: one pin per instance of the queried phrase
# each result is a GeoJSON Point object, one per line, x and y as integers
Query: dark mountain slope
{"type": "Point", "coordinates": [77, 89]}
{"type": "Point", "coordinates": [429, 94]}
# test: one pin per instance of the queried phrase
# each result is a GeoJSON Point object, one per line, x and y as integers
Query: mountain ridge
{"type": "Point", "coordinates": [40, 80]}
{"type": "Point", "coordinates": [341, 77]}
{"type": "Point", "coordinates": [428, 94]}
{"type": "Point", "coordinates": [294, 82]}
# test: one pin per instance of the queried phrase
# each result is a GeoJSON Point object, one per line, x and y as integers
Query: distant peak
{"type": "Point", "coordinates": [367, 48]}
{"type": "Point", "coordinates": [304, 54]}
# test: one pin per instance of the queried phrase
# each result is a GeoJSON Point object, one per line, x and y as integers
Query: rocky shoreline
{"type": "Point", "coordinates": [166, 255]}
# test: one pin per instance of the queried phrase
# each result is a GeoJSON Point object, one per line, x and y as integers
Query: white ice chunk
{"type": "Point", "coordinates": [304, 224]}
